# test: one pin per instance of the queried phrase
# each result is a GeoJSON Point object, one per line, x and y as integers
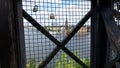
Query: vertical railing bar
{"type": "Point", "coordinates": [93, 22]}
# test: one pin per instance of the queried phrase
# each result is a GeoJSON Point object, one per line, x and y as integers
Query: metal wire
{"type": "Point", "coordinates": [38, 46]}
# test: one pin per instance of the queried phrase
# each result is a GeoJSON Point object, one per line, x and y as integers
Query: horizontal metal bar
{"type": "Point", "coordinates": [59, 46]}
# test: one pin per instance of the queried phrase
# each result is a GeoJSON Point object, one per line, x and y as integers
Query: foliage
{"type": "Point", "coordinates": [66, 62]}
{"type": "Point", "coordinates": [31, 64]}
{"type": "Point", "coordinates": [70, 63]}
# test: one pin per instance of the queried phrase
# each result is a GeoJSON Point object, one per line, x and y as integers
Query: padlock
{"type": "Point", "coordinates": [52, 16]}
{"type": "Point", "coordinates": [35, 9]}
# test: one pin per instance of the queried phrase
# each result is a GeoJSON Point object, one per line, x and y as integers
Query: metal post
{"type": "Point", "coordinates": [98, 36]}
{"type": "Point", "coordinates": [11, 34]}
{"type": "Point", "coordinates": [100, 42]}
{"type": "Point", "coordinates": [93, 21]}
{"type": "Point", "coordinates": [21, 57]}
{"type": "Point", "coordinates": [4, 35]}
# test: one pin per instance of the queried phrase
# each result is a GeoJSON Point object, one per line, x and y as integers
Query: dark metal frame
{"type": "Point", "coordinates": [103, 30]}
{"type": "Point", "coordinates": [20, 34]}
{"type": "Point", "coordinates": [98, 37]}
{"type": "Point", "coordinates": [4, 35]}
{"type": "Point", "coordinates": [12, 37]}
{"type": "Point", "coordinates": [113, 33]}
{"type": "Point", "coordinates": [93, 21]}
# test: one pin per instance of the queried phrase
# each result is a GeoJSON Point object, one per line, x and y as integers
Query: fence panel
{"type": "Point", "coordinates": [59, 18]}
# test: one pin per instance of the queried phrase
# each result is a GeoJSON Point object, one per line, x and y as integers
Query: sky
{"type": "Point", "coordinates": [73, 10]}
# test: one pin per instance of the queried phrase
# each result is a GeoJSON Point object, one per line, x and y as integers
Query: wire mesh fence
{"type": "Point", "coordinates": [58, 17]}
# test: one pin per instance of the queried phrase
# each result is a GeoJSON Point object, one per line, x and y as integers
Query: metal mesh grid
{"type": "Point", "coordinates": [67, 13]}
